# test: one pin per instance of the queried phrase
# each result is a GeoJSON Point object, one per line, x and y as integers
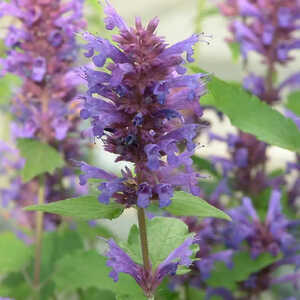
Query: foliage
{"type": "Point", "coordinates": [243, 267]}
{"type": "Point", "coordinates": [251, 115]}
{"type": "Point", "coordinates": [40, 158]}
{"type": "Point", "coordinates": [184, 204]}
{"type": "Point", "coordinates": [84, 208]}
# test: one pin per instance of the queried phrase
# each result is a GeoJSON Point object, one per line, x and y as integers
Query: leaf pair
{"type": "Point", "coordinates": [89, 208]}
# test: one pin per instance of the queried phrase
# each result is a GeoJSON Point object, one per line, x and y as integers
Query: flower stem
{"type": "Point", "coordinates": [143, 237]}
{"type": "Point", "coordinates": [39, 226]}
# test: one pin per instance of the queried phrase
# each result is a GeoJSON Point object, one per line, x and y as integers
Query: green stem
{"type": "Point", "coordinates": [39, 226]}
{"type": "Point", "coordinates": [143, 237]}
{"type": "Point", "coordinates": [186, 291]}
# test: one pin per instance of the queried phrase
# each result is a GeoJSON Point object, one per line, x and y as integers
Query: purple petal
{"type": "Point", "coordinates": [285, 17]}
{"type": "Point", "coordinates": [183, 46]}
{"type": "Point", "coordinates": [39, 69]}
{"type": "Point", "coordinates": [144, 194]}
{"type": "Point", "coordinates": [292, 81]}
{"type": "Point", "coordinates": [247, 204]}
{"type": "Point", "coordinates": [122, 263]}
{"type": "Point", "coordinates": [274, 207]}
{"type": "Point", "coordinates": [108, 189]}
{"type": "Point", "coordinates": [165, 193]}
{"type": "Point", "coordinates": [92, 172]}
{"type": "Point", "coordinates": [113, 19]}
{"type": "Point", "coordinates": [152, 152]}
{"type": "Point", "coordinates": [248, 9]}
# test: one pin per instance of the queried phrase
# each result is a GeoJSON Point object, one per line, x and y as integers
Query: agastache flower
{"type": "Point", "coordinates": [121, 262]}
{"type": "Point", "coordinates": [143, 95]}
{"type": "Point", "coordinates": [272, 235]}
{"type": "Point", "coordinates": [41, 50]}
{"type": "Point", "coordinates": [247, 157]}
{"type": "Point", "coordinates": [269, 29]}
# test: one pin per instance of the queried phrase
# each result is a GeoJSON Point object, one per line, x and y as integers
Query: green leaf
{"type": "Point", "coordinates": [87, 269]}
{"type": "Point", "coordinates": [204, 165]}
{"type": "Point", "coordinates": [56, 245]}
{"type": "Point", "coordinates": [40, 158]}
{"type": "Point", "coordinates": [92, 233]}
{"type": "Point", "coordinates": [251, 115]}
{"type": "Point", "coordinates": [14, 254]}
{"type": "Point", "coordinates": [96, 294]}
{"type": "Point", "coordinates": [194, 293]}
{"type": "Point", "coordinates": [164, 235]}
{"type": "Point", "coordinates": [235, 50]}
{"type": "Point", "coordinates": [185, 204]}
{"type": "Point", "coordinates": [243, 267]}
{"type": "Point", "coordinates": [164, 292]}
{"type": "Point", "coordinates": [293, 102]}
{"type": "Point", "coordinates": [84, 208]}
{"type": "Point", "coordinates": [15, 286]}
{"type": "Point", "coordinates": [7, 84]}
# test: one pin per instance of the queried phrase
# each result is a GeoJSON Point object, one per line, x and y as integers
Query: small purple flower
{"type": "Point", "coordinates": [272, 235]}
{"type": "Point", "coordinates": [165, 193]}
{"type": "Point", "coordinates": [121, 262]}
{"type": "Point", "coordinates": [144, 194]}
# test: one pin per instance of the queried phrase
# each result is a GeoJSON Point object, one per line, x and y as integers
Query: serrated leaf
{"type": "Point", "coordinates": [293, 102]}
{"type": "Point", "coordinates": [185, 204]}
{"type": "Point", "coordinates": [14, 254]}
{"type": "Point", "coordinates": [251, 115]}
{"type": "Point", "coordinates": [243, 267]}
{"type": "Point", "coordinates": [164, 235]}
{"type": "Point", "coordinates": [86, 269]}
{"type": "Point", "coordinates": [40, 158]}
{"type": "Point", "coordinates": [84, 208]}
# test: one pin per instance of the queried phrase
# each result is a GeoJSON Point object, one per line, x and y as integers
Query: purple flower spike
{"type": "Point", "coordinates": [41, 50]}
{"type": "Point", "coordinates": [269, 29]}
{"type": "Point", "coordinates": [140, 108]}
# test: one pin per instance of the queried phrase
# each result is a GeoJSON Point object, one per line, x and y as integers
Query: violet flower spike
{"type": "Point", "coordinates": [42, 54]}
{"type": "Point", "coordinates": [144, 96]}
